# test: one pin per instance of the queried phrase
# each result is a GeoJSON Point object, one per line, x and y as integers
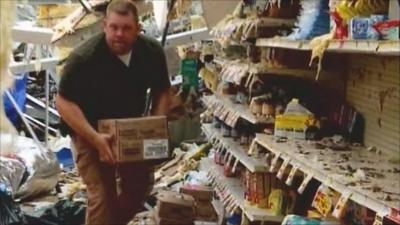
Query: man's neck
{"type": "Point", "coordinates": [125, 58]}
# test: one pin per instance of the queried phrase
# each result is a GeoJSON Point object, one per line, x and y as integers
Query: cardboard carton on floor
{"type": "Point", "coordinates": [175, 206]}
{"type": "Point", "coordinates": [199, 192]}
{"type": "Point", "coordinates": [137, 139]}
{"type": "Point", "coordinates": [167, 221]}
{"type": "Point", "coordinates": [205, 211]}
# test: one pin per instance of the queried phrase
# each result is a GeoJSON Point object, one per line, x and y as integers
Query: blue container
{"type": "Point", "coordinates": [360, 28]}
{"type": "Point", "coordinates": [64, 157]}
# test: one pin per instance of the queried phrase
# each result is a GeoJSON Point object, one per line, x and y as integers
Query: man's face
{"type": "Point", "coordinates": [121, 31]}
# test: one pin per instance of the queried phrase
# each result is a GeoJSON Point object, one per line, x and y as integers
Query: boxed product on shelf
{"type": "Point", "coordinates": [293, 126]}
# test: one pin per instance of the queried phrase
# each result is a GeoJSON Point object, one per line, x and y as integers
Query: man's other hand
{"type": "Point", "coordinates": [103, 145]}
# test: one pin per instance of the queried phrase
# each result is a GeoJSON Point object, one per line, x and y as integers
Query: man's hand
{"type": "Point", "coordinates": [103, 145]}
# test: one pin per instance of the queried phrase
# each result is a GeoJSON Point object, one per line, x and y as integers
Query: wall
{"type": "Point", "coordinates": [373, 88]}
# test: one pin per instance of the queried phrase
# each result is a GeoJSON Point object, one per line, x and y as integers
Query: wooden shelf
{"type": "Point", "coordinates": [236, 190]}
{"type": "Point", "coordinates": [340, 46]}
{"type": "Point", "coordinates": [331, 168]}
{"type": "Point", "coordinates": [215, 101]}
{"type": "Point", "coordinates": [239, 152]}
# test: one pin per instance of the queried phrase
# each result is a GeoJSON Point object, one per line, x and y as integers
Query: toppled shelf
{"type": "Point", "coordinates": [251, 163]}
{"type": "Point", "coordinates": [236, 190]}
{"type": "Point", "coordinates": [335, 170]}
{"type": "Point", "coordinates": [340, 46]}
{"type": "Point", "coordinates": [224, 101]}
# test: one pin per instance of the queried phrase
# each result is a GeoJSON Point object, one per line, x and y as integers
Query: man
{"type": "Point", "coordinates": [107, 77]}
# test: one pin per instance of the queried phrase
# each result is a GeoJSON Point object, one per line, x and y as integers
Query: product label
{"type": "Point", "coordinates": [155, 148]}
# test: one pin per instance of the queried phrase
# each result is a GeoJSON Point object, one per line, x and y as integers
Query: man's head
{"type": "Point", "coordinates": [121, 26]}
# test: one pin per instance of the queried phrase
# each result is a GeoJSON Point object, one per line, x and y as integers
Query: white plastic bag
{"type": "Point", "coordinates": [11, 174]}
{"type": "Point", "coordinates": [41, 164]}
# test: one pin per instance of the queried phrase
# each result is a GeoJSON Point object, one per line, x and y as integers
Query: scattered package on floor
{"type": "Point", "coordinates": [10, 212]}
{"type": "Point", "coordinates": [63, 212]}
{"type": "Point", "coordinates": [144, 218]}
{"type": "Point", "coordinates": [138, 139]}
{"type": "Point", "coordinates": [173, 208]}
{"type": "Point", "coordinates": [204, 211]}
{"type": "Point", "coordinates": [41, 164]}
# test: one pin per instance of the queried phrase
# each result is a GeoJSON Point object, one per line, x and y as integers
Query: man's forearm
{"type": "Point", "coordinates": [161, 102]}
{"type": "Point", "coordinates": [74, 117]}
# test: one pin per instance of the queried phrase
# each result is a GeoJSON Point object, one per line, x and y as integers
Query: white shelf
{"type": "Point", "coordinates": [248, 26]}
{"type": "Point", "coordinates": [239, 152]}
{"type": "Point", "coordinates": [25, 67]}
{"type": "Point", "coordinates": [327, 166]}
{"type": "Point", "coordinates": [33, 35]}
{"type": "Point", "coordinates": [283, 43]}
{"type": "Point", "coordinates": [302, 73]}
{"type": "Point", "coordinates": [242, 110]}
{"type": "Point", "coordinates": [340, 46]}
{"type": "Point", "coordinates": [236, 190]}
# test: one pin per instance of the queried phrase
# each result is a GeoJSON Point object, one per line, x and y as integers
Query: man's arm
{"type": "Point", "coordinates": [74, 117]}
{"type": "Point", "coordinates": [161, 102]}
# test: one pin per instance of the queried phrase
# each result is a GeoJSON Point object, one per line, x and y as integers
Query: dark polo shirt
{"type": "Point", "coordinates": [104, 87]}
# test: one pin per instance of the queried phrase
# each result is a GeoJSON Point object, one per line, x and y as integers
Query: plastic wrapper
{"type": "Point", "coordinates": [11, 174]}
{"type": "Point", "coordinates": [10, 213]}
{"type": "Point", "coordinates": [41, 164]}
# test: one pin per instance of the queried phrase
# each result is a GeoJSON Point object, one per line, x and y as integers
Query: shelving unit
{"type": "Point", "coordinates": [331, 168]}
{"type": "Point", "coordinates": [236, 191]}
{"type": "Point", "coordinates": [217, 102]}
{"type": "Point", "coordinates": [249, 26]}
{"type": "Point", "coordinates": [239, 152]}
{"type": "Point", "coordinates": [339, 46]}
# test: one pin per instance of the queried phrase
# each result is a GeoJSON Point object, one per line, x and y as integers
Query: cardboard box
{"type": "Point", "coordinates": [291, 126]}
{"type": "Point", "coordinates": [205, 211]}
{"type": "Point", "coordinates": [167, 221]}
{"type": "Point", "coordinates": [175, 206]}
{"type": "Point", "coordinates": [199, 192]}
{"type": "Point", "coordinates": [138, 139]}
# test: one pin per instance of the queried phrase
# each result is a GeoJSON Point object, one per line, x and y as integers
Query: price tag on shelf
{"type": "Point", "coordinates": [251, 148]}
{"type": "Point", "coordinates": [266, 156]}
{"type": "Point", "coordinates": [274, 162]}
{"type": "Point", "coordinates": [292, 173]}
{"type": "Point", "coordinates": [230, 159]}
{"type": "Point", "coordinates": [305, 182]}
{"type": "Point", "coordinates": [341, 205]}
{"type": "Point", "coordinates": [227, 154]}
{"type": "Point", "coordinates": [384, 212]}
{"type": "Point", "coordinates": [235, 165]}
{"type": "Point", "coordinates": [283, 168]}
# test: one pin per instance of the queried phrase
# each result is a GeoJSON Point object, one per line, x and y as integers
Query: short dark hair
{"type": "Point", "coordinates": [123, 7]}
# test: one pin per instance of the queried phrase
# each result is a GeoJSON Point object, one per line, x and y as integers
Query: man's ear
{"type": "Point", "coordinates": [139, 27]}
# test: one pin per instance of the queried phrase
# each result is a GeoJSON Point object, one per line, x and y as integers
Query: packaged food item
{"type": "Point", "coordinates": [324, 200]}
{"type": "Point", "coordinates": [360, 28]}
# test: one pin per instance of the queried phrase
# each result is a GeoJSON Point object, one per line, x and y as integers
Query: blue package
{"type": "Point", "coordinates": [313, 21]}
{"type": "Point", "coordinates": [360, 28]}
{"type": "Point", "coordinates": [372, 33]}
